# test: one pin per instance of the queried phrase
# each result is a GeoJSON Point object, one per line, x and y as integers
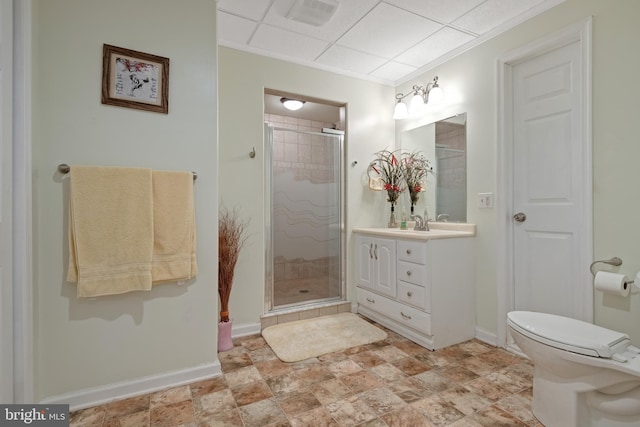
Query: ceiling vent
{"type": "Point", "coordinates": [313, 12]}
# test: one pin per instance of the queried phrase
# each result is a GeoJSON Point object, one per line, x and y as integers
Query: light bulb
{"type": "Point", "coordinates": [292, 104]}
{"type": "Point", "coordinates": [416, 105]}
{"type": "Point", "coordinates": [400, 112]}
{"type": "Point", "coordinates": [436, 95]}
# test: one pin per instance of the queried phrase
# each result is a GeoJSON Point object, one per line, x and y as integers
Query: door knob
{"type": "Point", "coordinates": [520, 217]}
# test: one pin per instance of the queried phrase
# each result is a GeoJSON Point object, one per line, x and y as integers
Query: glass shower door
{"type": "Point", "coordinates": [304, 255]}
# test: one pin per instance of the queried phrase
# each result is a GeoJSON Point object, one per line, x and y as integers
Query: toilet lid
{"type": "Point", "coordinates": [566, 333]}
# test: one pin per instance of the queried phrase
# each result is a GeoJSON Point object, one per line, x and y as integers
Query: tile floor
{"type": "Point", "coordinates": [389, 383]}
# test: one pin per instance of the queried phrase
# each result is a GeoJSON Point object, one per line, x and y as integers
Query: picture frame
{"type": "Point", "coordinates": [135, 79]}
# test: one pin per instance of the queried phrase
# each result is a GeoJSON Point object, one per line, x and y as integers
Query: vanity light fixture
{"type": "Point", "coordinates": [292, 104]}
{"type": "Point", "coordinates": [422, 95]}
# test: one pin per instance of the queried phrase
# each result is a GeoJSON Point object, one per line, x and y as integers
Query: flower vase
{"type": "Point", "coordinates": [392, 218]}
{"type": "Point", "coordinates": [225, 343]}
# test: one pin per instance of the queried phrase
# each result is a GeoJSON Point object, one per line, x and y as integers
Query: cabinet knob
{"type": "Point", "coordinates": [409, 273]}
{"type": "Point", "coordinates": [406, 316]}
{"type": "Point", "coordinates": [371, 300]}
{"type": "Point", "coordinates": [408, 251]}
{"type": "Point", "coordinates": [409, 294]}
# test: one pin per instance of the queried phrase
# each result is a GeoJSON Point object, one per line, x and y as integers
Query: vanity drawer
{"type": "Point", "coordinates": [415, 295]}
{"type": "Point", "coordinates": [369, 299]}
{"type": "Point", "coordinates": [412, 251]}
{"type": "Point", "coordinates": [412, 273]}
{"type": "Point", "coordinates": [395, 310]}
{"type": "Point", "coordinates": [416, 319]}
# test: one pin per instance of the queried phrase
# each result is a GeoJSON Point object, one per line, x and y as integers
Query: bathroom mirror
{"type": "Point", "coordinates": [444, 143]}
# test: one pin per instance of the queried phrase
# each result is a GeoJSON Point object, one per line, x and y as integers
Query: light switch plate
{"type": "Point", "coordinates": [485, 200]}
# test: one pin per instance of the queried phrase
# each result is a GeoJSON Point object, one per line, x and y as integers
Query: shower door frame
{"type": "Point", "coordinates": [268, 222]}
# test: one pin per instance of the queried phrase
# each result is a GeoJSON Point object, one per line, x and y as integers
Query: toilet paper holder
{"type": "Point", "coordinates": [611, 261]}
{"type": "Point", "coordinates": [616, 261]}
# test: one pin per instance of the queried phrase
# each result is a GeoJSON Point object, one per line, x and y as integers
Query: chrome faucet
{"type": "Point", "coordinates": [442, 217]}
{"type": "Point", "coordinates": [421, 223]}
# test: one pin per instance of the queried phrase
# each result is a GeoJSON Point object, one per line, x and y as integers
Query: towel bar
{"type": "Point", "coordinates": [65, 168]}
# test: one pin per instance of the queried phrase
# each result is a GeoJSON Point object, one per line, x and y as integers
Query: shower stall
{"type": "Point", "coordinates": [304, 217]}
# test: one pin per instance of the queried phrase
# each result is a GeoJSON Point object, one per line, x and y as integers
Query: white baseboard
{"type": "Point", "coordinates": [486, 336]}
{"type": "Point", "coordinates": [245, 329]}
{"type": "Point", "coordinates": [117, 391]}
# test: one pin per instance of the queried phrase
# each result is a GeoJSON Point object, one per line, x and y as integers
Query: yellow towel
{"type": "Point", "coordinates": [110, 230]}
{"type": "Point", "coordinates": [174, 245]}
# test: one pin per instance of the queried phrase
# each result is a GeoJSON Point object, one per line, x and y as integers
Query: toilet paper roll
{"type": "Point", "coordinates": [612, 283]}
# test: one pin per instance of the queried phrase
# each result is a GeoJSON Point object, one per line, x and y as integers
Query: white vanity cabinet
{"type": "Point", "coordinates": [431, 300]}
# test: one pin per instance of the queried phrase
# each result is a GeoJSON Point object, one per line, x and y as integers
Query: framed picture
{"type": "Point", "coordinates": [135, 79]}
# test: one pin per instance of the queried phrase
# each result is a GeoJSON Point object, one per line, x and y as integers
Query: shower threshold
{"type": "Point", "coordinates": [290, 314]}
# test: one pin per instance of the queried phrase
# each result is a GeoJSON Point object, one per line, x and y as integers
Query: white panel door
{"type": "Point", "coordinates": [547, 170]}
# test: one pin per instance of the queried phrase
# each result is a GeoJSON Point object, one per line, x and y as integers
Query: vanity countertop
{"type": "Point", "coordinates": [437, 230]}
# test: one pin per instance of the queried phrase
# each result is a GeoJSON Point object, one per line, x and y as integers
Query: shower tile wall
{"type": "Point", "coordinates": [306, 154]}
{"type": "Point", "coordinates": [451, 158]}
{"type": "Point", "coordinates": [311, 159]}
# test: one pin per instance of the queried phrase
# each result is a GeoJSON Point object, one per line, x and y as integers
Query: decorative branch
{"type": "Point", "coordinates": [390, 170]}
{"type": "Point", "coordinates": [415, 169]}
{"type": "Point", "coordinates": [231, 238]}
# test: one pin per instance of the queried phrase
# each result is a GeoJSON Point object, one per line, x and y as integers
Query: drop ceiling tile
{"type": "Point", "coordinates": [438, 10]}
{"type": "Point", "coordinates": [493, 13]}
{"type": "Point", "coordinates": [393, 71]}
{"type": "Point", "coordinates": [387, 31]}
{"type": "Point", "coordinates": [287, 43]}
{"type": "Point", "coordinates": [351, 60]}
{"type": "Point", "coordinates": [252, 9]}
{"type": "Point", "coordinates": [407, 34]}
{"type": "Point", "coordinates": [348, 13]}
{"type": "Point", "coordinates": [434, 46]}
{"type": "Point", "coordinates": [234, 30]}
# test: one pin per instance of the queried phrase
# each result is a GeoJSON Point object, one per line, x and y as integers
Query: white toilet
{"type": "Point", "coordinates": [584, 375]}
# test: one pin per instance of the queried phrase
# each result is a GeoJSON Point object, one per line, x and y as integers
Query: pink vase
{"type": "Point", "coordinates": [225, 343]}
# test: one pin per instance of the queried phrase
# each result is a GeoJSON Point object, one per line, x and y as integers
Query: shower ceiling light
{"type": "Point", "coordinates": [422, 95]}
{"type": "Point", "coordinates": [292, 104]}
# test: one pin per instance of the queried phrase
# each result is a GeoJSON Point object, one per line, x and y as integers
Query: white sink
{"type": "Point", "coordinates": [433, 233]}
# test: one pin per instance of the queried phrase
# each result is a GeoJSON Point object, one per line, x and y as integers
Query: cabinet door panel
{"type": "Point", "coordinates": [365, 262]}
{"type": "Point", "coordinates": [385, 266]}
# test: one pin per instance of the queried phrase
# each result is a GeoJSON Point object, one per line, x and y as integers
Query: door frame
{"type": "Point", "coordinates": [269, 299]}
{"type": "Point", "coordinates": [6, 225]}
{"type": "Point", "coordinates": [581, 33]}
{"type": "Point", "coordinates": [19, 365]}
